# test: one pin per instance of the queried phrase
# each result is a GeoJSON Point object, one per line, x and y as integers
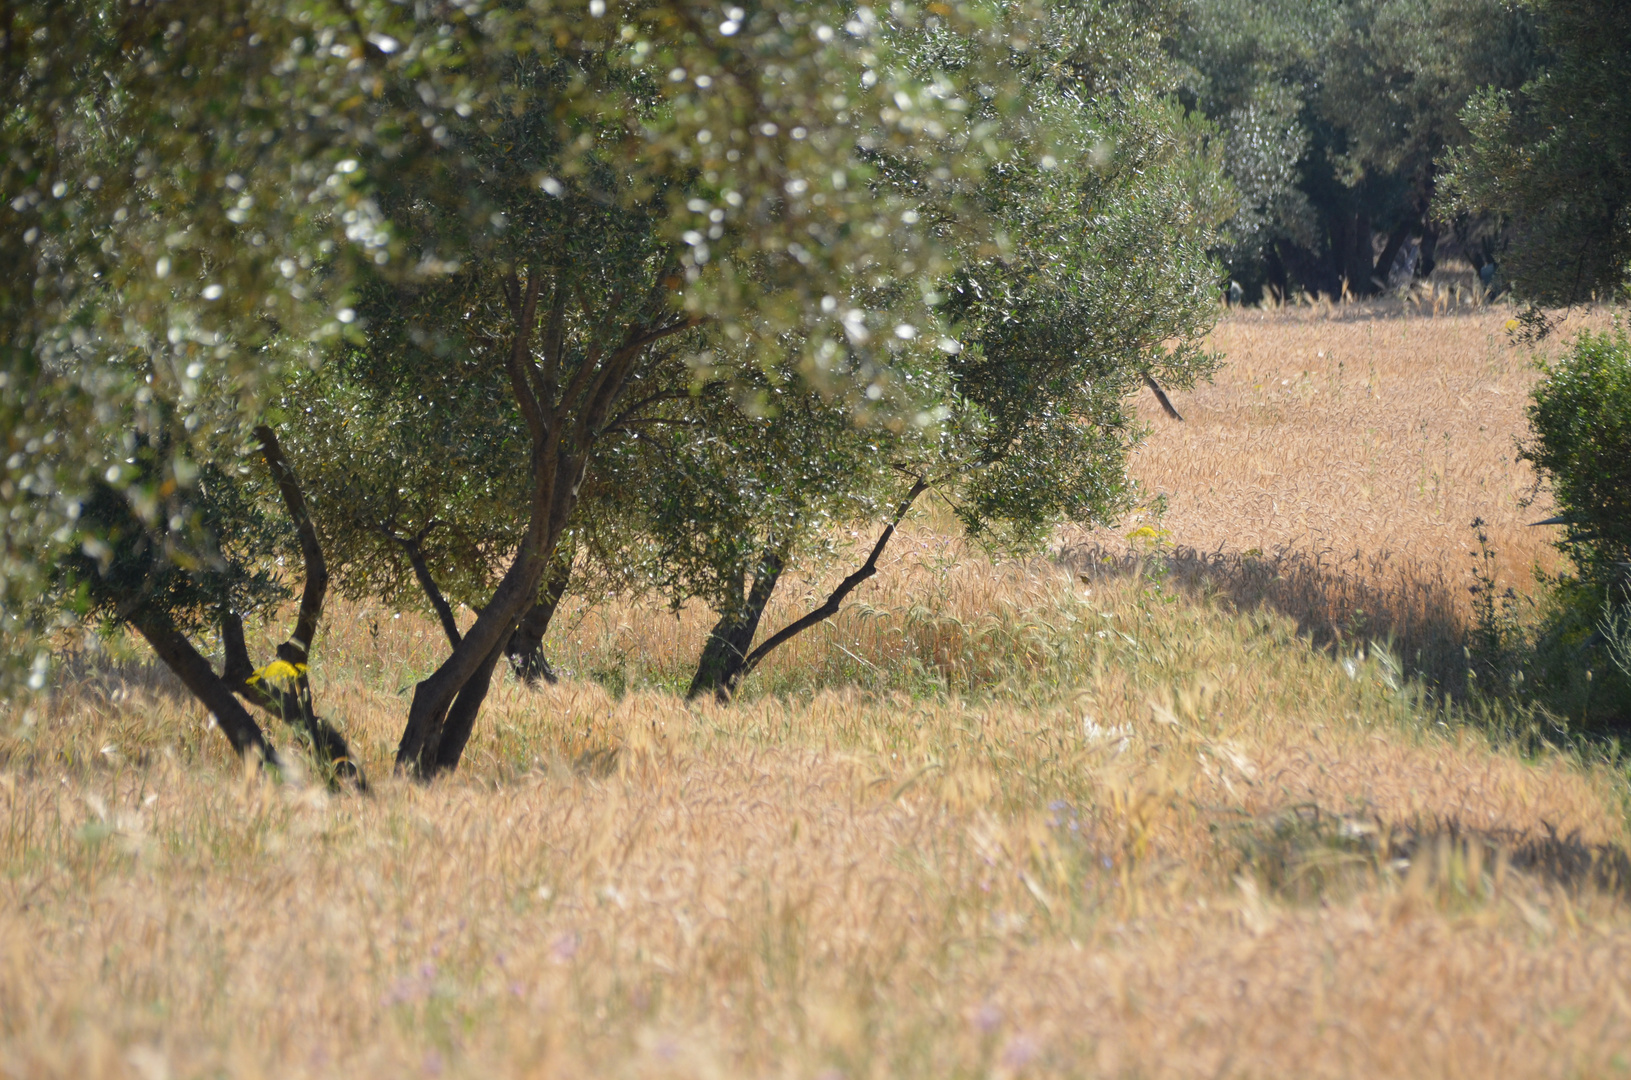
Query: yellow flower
{"type": "Point", "coordinates": [279, 673]}
{"type": "Point", "coordinates": [1512, 324]}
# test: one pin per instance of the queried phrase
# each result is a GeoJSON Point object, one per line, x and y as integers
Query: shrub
{"type": "Point", "coordinates": [1581, 419]}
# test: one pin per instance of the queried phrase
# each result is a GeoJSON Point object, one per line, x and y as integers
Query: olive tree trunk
{"type": "Point", "coordinates": [724, 654]}
{"type": "Point", "coordinates": [525, 649]}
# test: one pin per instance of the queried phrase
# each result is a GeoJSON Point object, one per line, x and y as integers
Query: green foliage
{"type": "Point", "coordinates": [174, 194]}
{"type": "Point", "coordinates": [1563, 658]}
{"type": "Point", "coordinates": [679, 286]}
{"type": "Point", "coordinates": [1109, 281]}
{"type": "Point", "coordinates": [191, 190]}
{"type": "Point", "coordinates": [733, 473]}
{"type": "Point", "coordinates": [1333, 115]}
{"type": "Point", "coordinates": [432, 464]}
{"type": "Point", "coordinates": [1553, 156]}
{"type": "Point", "coordinates": [212, 549]}
{"type": "Point", "coordinates": [722, 452]}
{"type": "Point", "coordinates": [1581, 419]}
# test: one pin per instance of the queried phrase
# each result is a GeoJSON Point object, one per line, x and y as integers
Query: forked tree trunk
{"type": "Point", "coordinates": [419, 750]}
{"type": "Point", "coordinates": [563, 423]}
{"type": "Point", "coordinates": [420, 747]}
{"type": "Point", "coordinates": [293, 703]}
{"type": "Point", "coordinates": [831, 605]}
{"type": "Point", "coordinates": [461, 718]}
{"type": "Point", "coordinates": [444, 752]}
{"type": "Point", "coordinates": [725, 653]}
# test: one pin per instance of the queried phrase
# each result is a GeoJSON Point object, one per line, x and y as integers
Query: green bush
{"type": "Point", "coordinates": [1581, 420]}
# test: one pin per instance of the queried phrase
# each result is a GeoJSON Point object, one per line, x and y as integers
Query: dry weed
{"type": "Point", "coordinates": [1118, 826]}
{"type": "Point", "coordinates": [1335, 466]}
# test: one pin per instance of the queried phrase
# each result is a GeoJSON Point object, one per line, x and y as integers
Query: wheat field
{"type": "Point", "coordinates": [1144, 806]}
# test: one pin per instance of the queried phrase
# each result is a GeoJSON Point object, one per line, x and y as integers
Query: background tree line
{"type": "Point", "coordinates": [1362, 133]}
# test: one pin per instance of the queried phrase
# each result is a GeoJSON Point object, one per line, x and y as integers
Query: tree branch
{"type": "Point", "coordinates": [421, 571]}
{"type": "Point", "coordinates": [311, 597]}
{"type": "Point", "coordinates": [1161, 396]}
{"type": "Point", "coordinates": [627, 416]}
{"type": "Point", "coordinates": [830, 607]}
{"type": "Point", "coordinates": [238, 671]}
{"type": "Point", "coordinates": [651, 337]}
{"type": "Point", "coordinates": [292, 703]}
{"type": "Point", "coordinates": [196, 674]}
{"type": "Point", "coordinates": [237, 667]}
{"type": "Point", "coordinates": [614, 374]}
{"type": "Point", "coordinates": [554, 335]}
{"type": "Point", "coordinates": [520, 362]}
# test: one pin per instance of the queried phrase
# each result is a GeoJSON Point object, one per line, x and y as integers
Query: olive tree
{"type": "Point", "coordinates": [1105, 285]}
{"type": "Point", "coordinates": [177, 216]}
{"type": "Point", "coordinates": [635, 178]}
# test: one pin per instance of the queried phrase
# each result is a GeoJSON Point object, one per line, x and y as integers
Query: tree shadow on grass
{"type": "Point", "coordinates": [112, 679]}
{"type": "Point", "coordinates": [1336, 602]}
{"type": "Point", "coordinates": [1303, 853]}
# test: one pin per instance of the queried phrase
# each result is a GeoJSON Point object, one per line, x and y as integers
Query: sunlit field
{"type": "Point", "coordinates": [1164, 800]}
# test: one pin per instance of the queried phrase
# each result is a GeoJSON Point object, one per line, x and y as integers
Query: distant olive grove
{"type": "Point", "coordinates": [1362, 134]}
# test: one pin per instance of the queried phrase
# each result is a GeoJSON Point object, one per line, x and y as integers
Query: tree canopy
{"type": "Point", "coordinates": [1335, 116]}
{"type": "Point", "coordinates": [1553, 156]}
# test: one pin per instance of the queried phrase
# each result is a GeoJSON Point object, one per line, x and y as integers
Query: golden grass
{"type": "Point", "coordinates": [1335, 466]}
{"type": "Point", "coordinates": [1079, 819]}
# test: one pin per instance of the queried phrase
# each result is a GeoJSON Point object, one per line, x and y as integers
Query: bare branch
{"type": "Point", "coordinates": [421, 570]}
{"type": "Point", "coordinates": [311, 597]}
{"type": "Point", "coordinates": [1161, 396]}
{"type": "Point", "coordinates": [830, 607]}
